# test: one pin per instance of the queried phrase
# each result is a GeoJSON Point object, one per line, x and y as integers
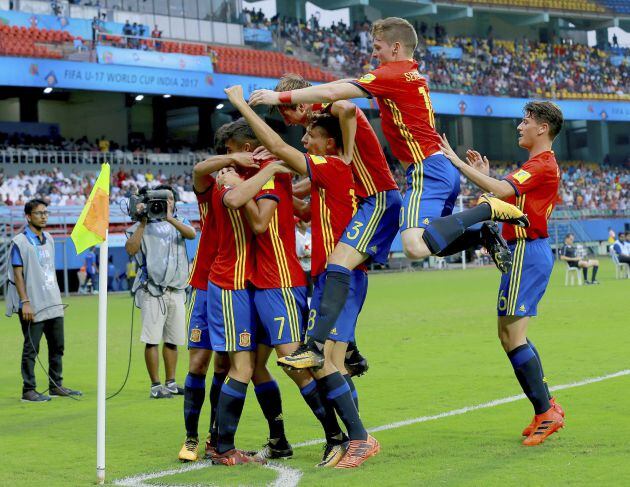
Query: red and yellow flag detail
{"type": "Point", "coordinates": [91, 227]}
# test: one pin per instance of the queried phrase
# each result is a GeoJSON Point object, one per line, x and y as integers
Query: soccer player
{"type": "Point", "coordinates": [332, 199]}
{"type": "Point", "coordinates": [372, 229]}
{"type": "Point", "coordinates": [408, 124]}
{"type": "Point", "coordinates": [533, 188]}
{"type": "Point", "coordinates": [199, 346]}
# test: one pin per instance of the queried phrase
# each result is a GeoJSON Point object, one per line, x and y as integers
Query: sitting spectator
{"type": "Point", "coordinates": [569, 254]}
{"type": "Point", "coordinates": [621, 248]}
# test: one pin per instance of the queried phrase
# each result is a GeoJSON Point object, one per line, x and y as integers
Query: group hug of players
{"type": "Point", "coordinates": [249, 291]}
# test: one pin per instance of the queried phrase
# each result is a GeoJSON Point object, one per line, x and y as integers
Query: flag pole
{"type": "Point", "coordinates": [102, 362]}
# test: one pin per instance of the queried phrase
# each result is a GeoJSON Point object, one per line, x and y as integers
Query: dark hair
{"type": "Point", "coordinates": [220, 136]}
{"type": "Point", "coordinates": [331, 126]}
{"type": "Point", "coordinates": [568, 235]}
{"type": "Point", "coordinates": [32, 204]}
{"type": "Point", "coordinates": [241, 133]}
{"type": "Point", "coordinates": [546, 112]}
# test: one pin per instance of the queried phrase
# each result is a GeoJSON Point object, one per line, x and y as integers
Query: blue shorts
{"type": "Point", "coordinates": [281, 314]}
{"type": "Point", "coordinates": [197, 319]}
{"type": "Point", "coordinates": [231, 319]}
{"type": "Point", "coordinates": [375, 225]}
{"type": "Point", "coordinates": [432, 188]}
{"type": "Point", "coordinates": [521, 289]}
{"type": "Point", "coordinates": [344, 328]}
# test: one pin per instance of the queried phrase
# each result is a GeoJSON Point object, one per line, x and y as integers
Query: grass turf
{"type": "Point", "coordinates": [431, 341]}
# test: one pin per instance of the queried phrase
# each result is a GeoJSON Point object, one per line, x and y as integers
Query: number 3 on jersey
{"type": "Point", "coordinates": [356, 229]}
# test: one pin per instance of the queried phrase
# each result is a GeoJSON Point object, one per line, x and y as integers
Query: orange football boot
{"type": "Point", "coordinates": [529, 428]}
{"type": "Point", "coordinates": [233, 457]}
{"type": "Point", "coordinates": [547, 423]}
{"type": "Point", "coordinates": [358, 452]}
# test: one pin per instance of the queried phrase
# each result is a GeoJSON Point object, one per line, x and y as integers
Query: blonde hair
{"type": "Point", "coordinates": [395, 29]}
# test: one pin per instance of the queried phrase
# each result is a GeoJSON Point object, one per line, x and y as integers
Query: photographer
{"type": "Point", "coordinates": [157, 240]}
{"type": "Point", "coordinates": [34, 294]}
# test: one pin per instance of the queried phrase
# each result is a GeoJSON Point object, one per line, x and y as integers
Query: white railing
{"type": "Point", "coordinates": [20, 157]}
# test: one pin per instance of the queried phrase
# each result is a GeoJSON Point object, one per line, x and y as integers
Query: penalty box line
{"type": "Point", "coordinates": [138, 480]}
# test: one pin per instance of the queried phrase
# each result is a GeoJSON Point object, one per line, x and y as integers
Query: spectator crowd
{"type": "Point", "coordinates": [585, 186]}
{"type": "Point", "coordinates": [520, 68]}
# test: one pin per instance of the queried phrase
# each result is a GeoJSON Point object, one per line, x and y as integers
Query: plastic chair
{"type": "Point", "coordinates": [622, 269]}
{"type": "Point", "coordinates": [571, 274]}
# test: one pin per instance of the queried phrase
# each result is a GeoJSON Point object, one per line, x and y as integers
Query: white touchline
{"type": "Point", "coordinates": [289, 477]}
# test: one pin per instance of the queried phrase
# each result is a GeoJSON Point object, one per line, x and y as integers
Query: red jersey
{"type": "Point", "coordinates": [536, 184]}
{"type": "Point", "coordinates": [332, 205]}
{"type": "Point", "coordinates": [407, 115]}
{"type": "Point", "coordinates": [207, 249]}
{"type": "Point", "coordinates": [276, 259]}
{"type": "Point", "coordinates": [232, 266]}
{"type": "Point", "coordinates": [369, 165]}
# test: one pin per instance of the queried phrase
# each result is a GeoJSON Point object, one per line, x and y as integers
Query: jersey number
{"type": "Point", "coordinates": [502, 301]}
{"type": "Point", "coordinates": [356, 227]}
{"type": "Point", "coordinates": [427, 103]}
{"type": "Point", "coordinates": [281, 320]}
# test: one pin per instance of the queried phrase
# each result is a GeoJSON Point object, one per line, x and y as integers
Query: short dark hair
{"type": "Point", "coordinates": [220, 136]}
{"type": "Point", "coordinates": [331, 126]}
{"type": "Point", "coordinates": [568, 235]}
{"type": "Point", "coordinates": [241, 133]}
{"type": "Point", "coordinates": [546, 112]}
{"type": "Point", "coordinates": [620, 234]}
{"type": "Point", "coordinates": [32, 204]}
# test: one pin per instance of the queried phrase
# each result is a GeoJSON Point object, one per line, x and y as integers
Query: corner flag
{"type": "Point", "coordinates": [91, 227]}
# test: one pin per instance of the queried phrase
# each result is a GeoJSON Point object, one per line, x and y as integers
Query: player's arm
{"type": "Point", "coordinates": [346, 112]}
{"type": "Point", "coordinates": [202, 171]}
{"type": "Point", "coordinates": [500, 188]}
{"type": "Point", "coordinates": [326, 93]}
{"type": "Point", "coordinates": [265, 134]}
{"type": "Point", "coordinates": [244, 191]}
{"type": "Point", "coordinates": [259, 214]}
{"type": "Point", "coordinates": [302, 188]}
{"type": "Point", "coordinates": [302, 209]}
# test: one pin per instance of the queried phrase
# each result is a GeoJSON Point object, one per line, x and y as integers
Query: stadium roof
{"type": "Point", "coordinates": [444, 12]}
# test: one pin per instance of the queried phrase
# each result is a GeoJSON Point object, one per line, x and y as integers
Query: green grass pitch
{"type": "Point", "coordinates": [431, 341]}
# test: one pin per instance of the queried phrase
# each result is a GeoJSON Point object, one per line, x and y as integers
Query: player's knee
{"type": "Point", "coordinates": [413, 245]}
{"type": "Point", "coordinates": [221, 363]}
{"type": "Point", "coordinates": [199, 361]}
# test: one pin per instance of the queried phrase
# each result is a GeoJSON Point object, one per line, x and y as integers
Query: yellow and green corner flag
{"type": "Point", "coordinates": [91, 228]}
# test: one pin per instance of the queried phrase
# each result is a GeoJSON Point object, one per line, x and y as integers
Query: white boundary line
{"type": "Point", "coordinates": [289, 477]}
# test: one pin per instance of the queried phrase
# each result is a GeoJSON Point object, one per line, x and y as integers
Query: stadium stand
{"type": "Point", "coordinates": [567, 5]}
{"type": "Point", "coordinates": [32, 42]}
{"type": "Point", "coordinates": [619, 6]}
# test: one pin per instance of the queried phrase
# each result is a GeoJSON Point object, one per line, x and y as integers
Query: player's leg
{"type": "Point", "coordinates": [199, 355]}
{"type": "Point", "coordinates": [221, 367]}
{"type": "Point", "coordinates": [270, 401]}
{"type": "Point", "coordinates": [356, 364]}
{"type": "Point", "coordinates": [232, 328]}
{"type": "Point", "coordinates": [519, 294]}
{"type": "Point", "coordinates": [338, 357]}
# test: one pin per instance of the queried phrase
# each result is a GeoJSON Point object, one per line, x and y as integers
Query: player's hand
{"type": "Point", "coordinates": [264, 97]}
{"type": "Point", "coordinates": [449, 152]}
{"type": "Point", "coordinates": [281, 168]}
{"type": "Point", "coordinates": [27, 312]}
{"type": "Point", "coordinates": [228, 177]}
{"type": "Point", "coordinates": [235, 94]}
{"type": "Point", "coordinates": [261, 154]}
{"type": "Point", "coordinates": [476, 161]}
{"type": "Point", "coordinates": [244, 160]}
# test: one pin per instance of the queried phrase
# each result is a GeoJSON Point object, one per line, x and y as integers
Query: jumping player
{"type": "Point", "coordinates": [408, 122]}
{"type": "Point", "coordinates": [372, 229]}
{"type": "Point", "coordinates": [332, 192]}
{"type": "Point", "coordinates": [533, 188]}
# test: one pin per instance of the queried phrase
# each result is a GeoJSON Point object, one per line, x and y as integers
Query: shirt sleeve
{"type": "Point", "coordinates": [131, 229]}
{"type": "Point", "coordinates": [270, 190]}
{"type": "Point", "coordinates": [374, 83]}
{"type": "Point", "coordinates": [16, 257]}
{"type": "Point", "coordinates": [206, 196]}
{"type": "Point", "coordinates": [526, 177]}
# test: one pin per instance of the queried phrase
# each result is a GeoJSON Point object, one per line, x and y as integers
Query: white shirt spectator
{"type": "Point", "coordinates": [303, 248]}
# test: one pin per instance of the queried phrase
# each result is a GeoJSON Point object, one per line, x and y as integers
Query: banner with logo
{"type": "Point", "coordinates": [257, 36]}
{"type": "Point", "coordinates": [153, 59]}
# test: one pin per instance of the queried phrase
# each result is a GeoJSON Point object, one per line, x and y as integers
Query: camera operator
{"type": "Point", "coordinates": [158, 242]}
{"type": "Point", "coordinates": [34, 294]}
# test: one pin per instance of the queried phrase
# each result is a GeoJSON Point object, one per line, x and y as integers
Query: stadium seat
{"type": "Point", "coordinates": [571, 274]}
